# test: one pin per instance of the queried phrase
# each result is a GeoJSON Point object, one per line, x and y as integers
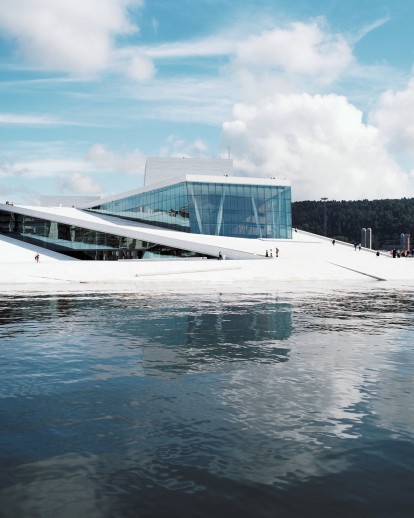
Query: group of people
{"type": "Point", "coordinates": [405, 253]}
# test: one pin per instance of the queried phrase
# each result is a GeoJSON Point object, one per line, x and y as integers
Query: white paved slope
{"type": "Point", "coordinates": [14, 251]}
{"type": "Point", "coordinates": [304, 258]}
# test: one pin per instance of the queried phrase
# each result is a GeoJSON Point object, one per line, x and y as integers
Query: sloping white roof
{"type": "Point", "coordinates": [232, 247]}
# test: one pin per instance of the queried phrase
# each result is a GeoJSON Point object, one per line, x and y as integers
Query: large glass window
{"type": "Point", "coordinates": [240, 210]}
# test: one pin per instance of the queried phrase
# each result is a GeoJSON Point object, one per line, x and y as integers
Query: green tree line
{"type": "Point", "coordinates": [345, 219]}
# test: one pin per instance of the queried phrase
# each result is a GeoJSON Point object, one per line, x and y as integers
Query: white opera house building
{"type": "Point", "coordinates": [186, 208]}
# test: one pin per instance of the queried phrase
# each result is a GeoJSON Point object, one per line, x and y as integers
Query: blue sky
{"type": "Point", "coordinates": [317, 91]}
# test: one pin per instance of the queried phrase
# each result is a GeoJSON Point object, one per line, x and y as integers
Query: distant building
{"type": "Point", "coordinates": [366, 238]}
{"type": "Point", "coordinates": [405, 241]}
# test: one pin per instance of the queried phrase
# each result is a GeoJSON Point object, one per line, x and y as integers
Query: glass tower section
{"type": "Point", "coordinates": [251, 211]}
{"type": "Point", "coordinates": [220, 209]}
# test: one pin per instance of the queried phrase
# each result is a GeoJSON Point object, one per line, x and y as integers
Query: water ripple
{"type": "Point", "coordinates": [210, 404]}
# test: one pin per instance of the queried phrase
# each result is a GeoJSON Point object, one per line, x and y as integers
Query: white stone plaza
{"type": "Point", "coordinates": [303, 258]}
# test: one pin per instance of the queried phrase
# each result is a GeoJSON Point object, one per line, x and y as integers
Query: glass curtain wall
{"type": "Point", "coordinates": [82, 243]}
{"type": "Point", "coordinates": [166, 207]}
{"type": "Point", "coordinates": [250, 211]}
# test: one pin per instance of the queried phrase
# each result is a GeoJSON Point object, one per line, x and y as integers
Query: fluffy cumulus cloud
{"type": "Point", "coordinates": [319, 142]}
{"type": "Point", "coordinates": [299, 50]}
{"type": "Point", "coordinates": [394, 118]}
{"type": "Point", "coordinates": [132, 163]}
{"type": "Point", "coordinates": [78, 183]}
{"type": "Point", "coordinates": [73, 36]}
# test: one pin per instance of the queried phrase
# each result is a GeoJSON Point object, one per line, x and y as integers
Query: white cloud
{"type": "Point", "coordinates": [78, 183]}
{"type": "Point", "coordinates": [394, 117]}
{"type": "Point", "coordinates": [185, 99]}
{"type": "Point", "coordinates": [140, 68]}
{"type": "Point", "coordinates": [42, 168]}
{"type": "Point", "coordinates": [11, 118]}
{"type": "Point", "coordinates": [36, 120]}
{"type": "Point", "coordinates": [279, 56]}
{"type": "Point", "coordinates": [135, 64]}
{"type": "Point", "coordinates": [50, 163]}
{"type": "Point", "coordinates": [301, 50]}
{"type": "Point", "coordinates": [319, 142]}
{"type": "Point", "coordinates": [73, 36]}
{"type": "Point", "coordinates": [371, 27]}
{"type": "Point", "coordinates": [218, 45]}
{"type": "Point", "coordinates": [22, 192]}
{"type": "Point", "coordinates": [290, 58]}
{"type": "Point", "coordinates": [100, 156]}
{"type": "Point", "coordinates": [132, 163]}
{"type": "Point", "coordinates": [178, 147]}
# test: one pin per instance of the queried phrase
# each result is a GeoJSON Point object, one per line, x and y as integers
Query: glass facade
{"type": "Point", "coordinates": [82, 243]}
{"type": "Point", "coordinates": [233, 210]}
{"type": "Point", "coordinates": [167, 207]}
{"type": "Point", "coordinates": [251, 211]}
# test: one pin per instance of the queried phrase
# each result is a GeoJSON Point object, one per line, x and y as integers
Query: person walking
{"type": "Point", "coordinates": [37, 257]}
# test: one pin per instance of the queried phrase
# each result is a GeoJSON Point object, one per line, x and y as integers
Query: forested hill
{"type": "Point", "coordinates": [345, 219]}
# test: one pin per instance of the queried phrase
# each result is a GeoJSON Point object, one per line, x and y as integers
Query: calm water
{"type": "Point", "coordinates": [294, 403]}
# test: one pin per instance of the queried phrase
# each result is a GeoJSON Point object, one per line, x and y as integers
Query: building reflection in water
{"type": "Point", "coordinates": [164, 336]}
{"type": "Point", "coordinates": [198, 340]}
